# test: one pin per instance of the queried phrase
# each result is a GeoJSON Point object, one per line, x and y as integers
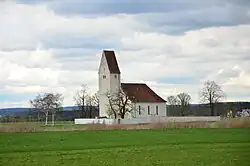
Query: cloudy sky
{"type": "Point", "coordinates": [173, 46]}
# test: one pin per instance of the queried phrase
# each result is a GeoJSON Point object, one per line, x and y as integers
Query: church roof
{"type": "Point", "coordinates": [139, 92]}
{"type": "Point", "coordinates": [112, 62]}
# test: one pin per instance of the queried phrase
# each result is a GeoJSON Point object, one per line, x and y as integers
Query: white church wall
{"type": "Point", "coordinates": [115, 83]}
{"type": "Point", "coordinates": [145, 120]}
{"type": "Point", "coordinates": [95, 121]}
{"type": "Point", "coordinates": [155, 119]}
{"type": "Point", "coordinates": [142, 109]}
{"type": "Point", "coordinates": [104, 86]}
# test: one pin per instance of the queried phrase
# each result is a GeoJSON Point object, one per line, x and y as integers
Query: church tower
{"type": "Point", "coordinates": [109, 80]}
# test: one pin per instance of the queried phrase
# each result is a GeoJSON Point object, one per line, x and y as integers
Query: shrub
{"type": "Point", "coordinates": [242, 122]}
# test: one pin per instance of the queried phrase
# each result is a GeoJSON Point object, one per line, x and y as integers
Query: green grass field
{"type": "Point", "coordinates": [175, 147]}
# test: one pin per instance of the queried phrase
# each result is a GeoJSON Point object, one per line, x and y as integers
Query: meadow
{"type": "Point", "coordinates": [172, 146]}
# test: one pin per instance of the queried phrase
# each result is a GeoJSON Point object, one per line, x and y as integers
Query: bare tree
{"type": "Point", "coordinates": [38, 105]}
{"type": "Point", "coordinates": [92, 101]}
{"type": "Point", "coordinates": [211, 93]}
{"type": "Point", "coordinates": [183, 99]}
{"type": "Point", "coordinates": [47, 103]}
{"type": "Point", "coordinates": [112, 111]}
{"type": "Point", "coordinates": [95, 99]}
{"type": "Point", "coordinates": [80, 99]}
{"type": "Point", "coordinates": [56, 103]}
{"type": "Point", "coordinates": [119, 104]}
{"type": "Point", "coordinates": [172, 100]}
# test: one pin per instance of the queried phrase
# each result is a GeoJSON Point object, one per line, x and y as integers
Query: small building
{"type": "Point", "coordinates": [146, 102]}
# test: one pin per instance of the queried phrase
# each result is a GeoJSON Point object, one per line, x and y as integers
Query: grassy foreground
{"type": "Point", "coordinates": [175, 147]}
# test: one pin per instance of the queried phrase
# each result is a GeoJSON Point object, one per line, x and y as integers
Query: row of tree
{"type": "Point", "coordinates": [83, 99]}
{"type": "Point", "coordinates": [51, 103]}
{"type": "Point", "coordinates": [211, 93]}
{"type": "Point", "coordinates": [182, 100]}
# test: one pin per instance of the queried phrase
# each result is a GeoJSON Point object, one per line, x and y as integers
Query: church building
{"type": "Point", "coordinates": [146, 102]}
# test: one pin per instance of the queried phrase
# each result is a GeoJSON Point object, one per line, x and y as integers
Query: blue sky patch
{"type": "Point", "coordinates": [178, 80]}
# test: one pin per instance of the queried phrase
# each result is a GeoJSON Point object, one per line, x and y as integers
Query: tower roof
{"type": "Point", "coordinates": [112, 62]}
{"type": "Point", "coordinates": [139, 92]}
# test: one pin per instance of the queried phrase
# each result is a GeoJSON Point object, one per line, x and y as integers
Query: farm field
{"type": "Point", "coordinates": [175, 147]}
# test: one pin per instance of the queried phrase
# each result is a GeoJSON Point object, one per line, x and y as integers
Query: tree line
{"type": "Point", "coordinates": [50, 103]}
{"type": "Point", "coordinates": [120, 104]}
{"type": "Point", "coordinates": [210, 94]}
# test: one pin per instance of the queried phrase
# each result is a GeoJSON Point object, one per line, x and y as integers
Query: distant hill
{"type": "Point", "coordinates": [13, 111]}
{"type": "Point", "coordinates": [25, 111]}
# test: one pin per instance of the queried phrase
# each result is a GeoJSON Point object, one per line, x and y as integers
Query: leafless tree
{"type": "Point", "coordinates": [80, 100]}
{"type": "Point", "coordinates": [92, 101]}
{"type": "Point", "coordinates": [119, 104]}
{"type": "Point", "coordinates": [95, 99]}
{"type": "Point", "coordinates": [112, 111]}
{"type": "Point", "coordinates": [48, 103]}
{"type": "Point", "coordinates": [38, 105]}
{"type": "Point", "coordinates": [56, 101]}
{"type": "Point", "coordinates": [172, 100]}
{"type": "Point", "coordinates": [183, 99]}
{"type": "Point", "coordinates": [211, 93]}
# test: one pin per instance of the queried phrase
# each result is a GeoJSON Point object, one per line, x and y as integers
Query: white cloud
{"type": "Point", "coordinates": [218, 53]}
{"type": "Point", "coordinates": [24, 26]}
{"type": "Point", "coordinates": [206, 54]}
{"type": "Point", "coordinates": [178, 53]}
{"type": "Point", "coordinates": [243, 79]}
{"type": "Point", "coordinates": [13, 104]}
{"type": "Point", "coordinates": [39, 58]}
{"type": "Point", "coordinates": [29, 80]}
{"type": "Point", "coordinates": [18, 78]}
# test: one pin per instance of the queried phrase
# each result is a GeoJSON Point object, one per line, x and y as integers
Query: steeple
{"type": "Point", "coordinates": [109, 79]}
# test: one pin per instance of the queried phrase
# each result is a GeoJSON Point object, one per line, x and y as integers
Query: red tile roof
{"type": "Point", "coordinates": [112, 62]}
{"type": "Point", "coordinates": [139, 92]}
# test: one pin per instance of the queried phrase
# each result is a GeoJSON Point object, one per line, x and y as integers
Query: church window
{"type": "Point", "coordinates": [103, 76]}
{"type": "Point", "coordinates": [148, 110]}
{"type": "Point", "coordinates": [156, 110]}
{"type": "Point", "coordinates": [139, 109]}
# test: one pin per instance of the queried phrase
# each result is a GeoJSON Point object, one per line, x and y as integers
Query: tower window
{"type": "Point", "coordinates": [115, 76]}
{"type": "Point", "coordinates": [103, 76]}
